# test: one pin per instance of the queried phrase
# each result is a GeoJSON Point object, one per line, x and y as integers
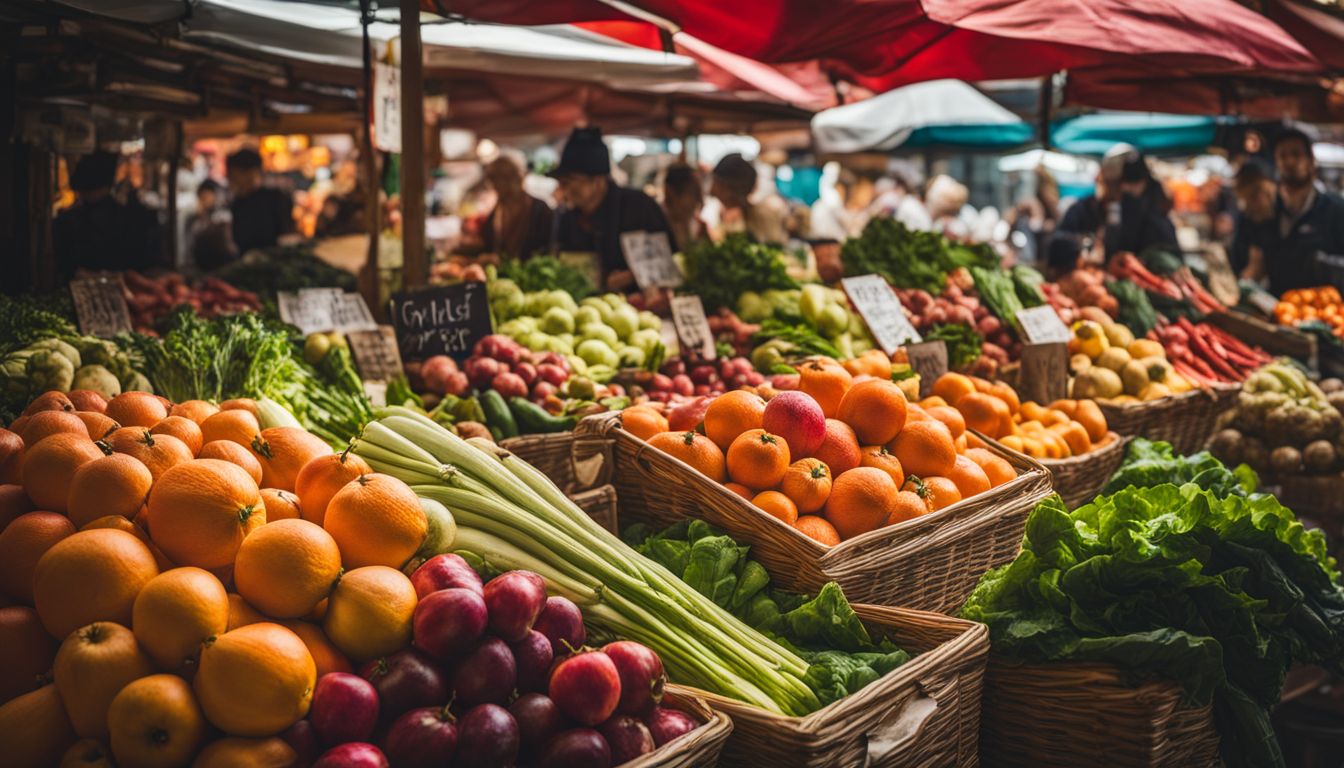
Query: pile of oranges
{"type": "Point", "coordinates": [171, 572]}
{"type": "Point", "coordinates": [841, 456]}
{"type": "Point", "coordinates": [1302, 305]}
{"type": "Point", "coordinates": [1064, 428]}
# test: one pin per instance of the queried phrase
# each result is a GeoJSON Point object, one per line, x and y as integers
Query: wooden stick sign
{"type": "Point", "coordinates": [1044, 375]}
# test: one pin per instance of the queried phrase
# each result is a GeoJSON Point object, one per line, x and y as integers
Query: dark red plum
{"type": "Point", "coordinates": [344, 708]}
{"type": "Point", "coordinates": [303, 740]}
{"type": "Point", "coordinates": [532, 655]}
{"type": "Point", "coordinates": [628, 738]}
{"type": "Point", "coordinates": [422, 738]}
{"type": "Point", "coordinates": [577, 748]}
{"type": "Point", "coordinates": [641, 673]}
{"type": "Point", "coordinates": [487, 737]}
{"type": "Point", "coordinates": [562, 623]}
{"type": "Point", "coordinates": [538, 720]}
{"type": "Point", "coordinates": [486, 675]}
{"type": "Point", "coordinates": [514, 600]}
{"type": "Point", "coordinates": [405, 680]}
{"type": "Point", "coordinates": [448, 622]}
{"type": "Point", "coordinates": [355, 754]}
{"type": "Point", "coordinates": [586, 687]}
{"type": "Point", "coordinates": [447, 571]}
{"type": "Point", "coordinates": [667, 724]}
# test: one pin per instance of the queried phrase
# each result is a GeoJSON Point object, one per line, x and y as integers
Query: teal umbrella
{"type": "Point", "coordinates": [1153, 133]}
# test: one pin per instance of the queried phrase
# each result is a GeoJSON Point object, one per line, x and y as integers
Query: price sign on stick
{"type": "Point", "coordinates": [1044, 375]}
{"type": "Point", "coordinates": [350, 313]}
{"type": "Point", "coordinates": [688, 315]}
{"type": "Point", "coordinates": [375, 353]}
{"type": "Point", "coordinates": [444, 320]}
{"type": "Point", "coordinates": [1041, 325]}
{"type": "Point", "coordinates": [929, 360]}
{"type": "Point", "coordinates": [650, 258]}
{"type": "Point", "coordinates": [100, 306]}
{"type": "Point", "coordinates": [309, 310]}
{"type": "Point", "coordinates": [876, 302]}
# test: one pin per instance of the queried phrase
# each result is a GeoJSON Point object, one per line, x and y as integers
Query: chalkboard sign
{"type": "Point", "coordinates": [929, 360]}
{"type": "Point", "coordinates": [443, 320]}
{"type": "Point", "coordinates": [688, 315]}
{"type": "Point", "coordinates": [650, 258]}
{"type": "Point", "coordinates": [100, 305]}
{"type": "Point", "coordinates": [1044, 375]}
{"type": "Point", "coordinates": [876, 302]}
{"type": "Point", "coordinates": [1041, 325]}
{"type": "Point", "coordinates": [375, 353]}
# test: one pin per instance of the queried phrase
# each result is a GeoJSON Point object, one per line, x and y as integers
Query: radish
{"type": "Point", "coordinates": [586, 687]}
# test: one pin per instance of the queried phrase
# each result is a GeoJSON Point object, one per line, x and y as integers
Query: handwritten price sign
{"type": "Point", "coordinates": [876, 302]}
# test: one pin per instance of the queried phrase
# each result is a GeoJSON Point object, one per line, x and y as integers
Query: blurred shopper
{"type": "Point", "coordinates": [261, 214]}
{"type": "Point", "coordinates": [949, 212]}
{"type": "Point", "coordinates": [843, 211]}
{"type": "Point", "coordinates": [209, 228]}
{"type": "Point", "coordinates": [1310, 221]}
{"type": "Point", "coordinates": [98, 232]}
{"type": "Point", "coordinates": [1129, 210]}
{"type": "Point", "coordinates": [732, 184]}
{"type": "Point", "coordinates": [1255, 193]}
{"type": "Point", "coordinates": [597, 212]}
{"type": "Point", "coordinates": [898, 198]}
{"type": "Point", "coordinates": [683, 197]}
{"type": "Point", "coordinates": [520, 225]}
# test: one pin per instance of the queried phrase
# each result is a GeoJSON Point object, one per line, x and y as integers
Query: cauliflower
{"type": "Point", "coordinates": [137, 383]}
{"type": "Point", "coordinates": [64, 349]}
{"type": "Point", "coordinates": [48, 370]}
{"type": "Point", "coordinates": [98, 379]}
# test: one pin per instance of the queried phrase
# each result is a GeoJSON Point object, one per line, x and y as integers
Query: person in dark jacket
{"type": "Point", "coordinates": [597, 211]}
{"type": "Point", "coordinates": [520, 225]}
{"type": "Point", "coordinates": [1306, 240]}
{"type": "Point", "coordinates": [1129, 212]}
{"type": "Point", "coordinates": [98, 232]}
{"type": "Point", "coordinates": [261, 214]}
{"type": "Point", "coordinates": [1255, 192]}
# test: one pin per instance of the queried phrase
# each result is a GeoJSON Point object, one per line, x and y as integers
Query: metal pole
{"type": "Point", "coordinates": [368, 159]}
{"type": "Point", "coordinates": [416, 266]}
{"type": "Point", "coordinates": [1046, 105]}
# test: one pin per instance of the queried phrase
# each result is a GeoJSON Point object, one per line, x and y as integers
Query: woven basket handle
{"type": "Point", "coordinates": [900, 728]}
{"type": "Point", "coordinates": [591, 451]}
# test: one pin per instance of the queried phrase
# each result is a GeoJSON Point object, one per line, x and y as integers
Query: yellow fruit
{"type": "Point", "coordinates": [94, 663]}
{"type": "Point", "coordinates": [369, 613]}
{"type": "Point", "coordinates": [256, 680]}
{"type": "Point", "coordinates": [285, 568]}
{"type": "Point", "coordinates": [156, 723]}
{"type": "Point", "coordinates": [176, 612]}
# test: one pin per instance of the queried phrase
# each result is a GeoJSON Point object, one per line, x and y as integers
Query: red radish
{"type": "Point", "coordinates": [578, 748]}
{"type": "Point", "coordinates": [562, 623]}
{"type": "Point", "coordinates": [641, 673]}
{"type": "Point", "coordinates": [355, 754]}
{"type": "Point", "coordinates": [481, 370]}
{"type": "Point", "coordinates": [586, 687]}
{"type": "Point", "coordinates": [628, 738]}
{"type": "Point", "coordinates": [514, 600]}
{"type": "Point", "coordinates": [422, 738]}
{"type": "Point", "coordinates": [667, 724]}
{"type": "Point", "coordinates": [344, 708]}
{"type": "Point", "coordinates": [487, 737]}
{"type": "Point", "coordinates": [796, 417]}
{"type": "Point", "coordinates": [533, 656]}
{"type": "Point", "coordinates": [405, 680]}
{"type": "Point", "coordinates": [447, 571]}
{"type": "Point", "coordinates": [527, 372]}
{"type": "Point", "coordinates": [457, 384]}
{"type": "Point", "coordinates": [542, 390]}
{"type": "Point", "coordinates": [303, 740]}
{"type": "Point", "coordinates": [486, 675]}
{"type": "Point", "coordinates": [509, 384]}
{"type": "Point", "coordinates": [552, 374]}
{"type": "Point", "coordinates": [551, 358]}
{"type": "Point", "coordinates": [538, 720]}
{"type": "Point", "coordinates": [448, 622]}
{"type": "Point", "coordinates": [435, 371]}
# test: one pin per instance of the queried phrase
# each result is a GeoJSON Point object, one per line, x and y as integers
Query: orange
{"type": "Point", "coordinates": [969, 478]}
{"type": "Point", "coordinates": [285, 568]}
{"type": "Point", "coordinates": [827, 382]}
{"type": "Point", "coordinates": [777, 505]}
{"type": "Point", "coordinates": [241, 614]}
{"type": "Point", "coordinates": [985, 413]}
{"type": "Point", "coordinates": [931, 401]}
{"type": "Point", "coordinates": [916, 413]}
{"type": "Point", "coordinates": [49, 467]}
{"type": "Point", "coordinates": [1052, 417]}
{"type": "Point", "coordinates": [29, 651]}
{"type": "Point", "coordinates": [643, 422]}
{"type": "Point", "coordinates": [87, 753]}
{"type": "Point", "coordinates": [184, 429]}
{"type": "Point", "coordinates": [925, 448]}
{"type": "Point", "coordinates": [91, 576]}
{"type": "Point", "coordinates": [325, 655]}
{"type": "Point", "coordinates": [906, 505]}
{"type": "Point", "coordinates": [996, 468]}
{"type": "Point", "coordinates": [34, 729]}
{"type": "Point", "coordinates": [22, 544]}
{"type": "Point", "coordinates": [937, 492]}
{"type": "Point", "coordinates": [283, 451]}
{"type": "Point", "coordinates": [740, 490]}
{"type": "Point", "coordinates": [227, 450]}
{"type": "Point", "coordinates": [87, 400]}
{"type": "Point", "coordinates": [280, 505]}
{"type": "Point", "coordinates": [1007, 394]}
{"type": "Point", "coordinates": [200, 511]}
{"type": "Point", "coordinates": [136, 409]}
{"type": "Point", "coordinates": [758, 459]}
{"type": "Point", "coordinates": [732, 414]}
{"type": "Point", "coordinates": [111, 485]}
{"type": "Point", "coordinates": [119, 523]}
{"type": "Point", "coordinates": [1031, 411]}
{"type": "Point", "coordinates": [878, 456]}
{"type": "Point", "coordinates": [156, 723]}
{"type": "Point", "coordinates": [1074, 435]}
{"type": "Point", "coordinates": [696, 450]}
{"type": "Point", "coordinates": [46, 423]}
{"type": "Point", "coordinates": [984, 386]}
{"type": "Point", "coordinates": [49, 401]}
{"type": "Point", "coordinates": [818, 528]}
{"type": "Point", "coordinates": [177, 611]}
{"type": "Point", "coordinates": [951, 418]}
{"type": "Point", "coordinates": [240, 404]}
{"type": "Point", "coordinates": [233, 751]}
{"type": "Point", "coordinates": [860, 501]}
{"type": "Point", "coordinates": [839, 449]}
{"type": "Point", "coordinates": [94, 663]}
{"type": "Point", "coordinates": [1067, 407]}
{"type": "Point", "coordinates": [196, 410]}
{"type": "Point", "coordinates": [807, 483]}
{"type": "Point", "coordinates": [376, 519]}
{"type": "Point", "coordinates": [236, 425]}
{"type": "Point", "coordinates": [321, 478]}
{"type": "Point", "coordinates": [972, 441]}
{"type": "Point", "coordinates": [951, 387]}
{"type": "Point", "coordinates": [369, 613]}
{"type": "Point", "coordinates": [1089, 414]}
{"type": "Point", "coordinates": [875, 409]}
{"type": "Point", "coordinates": [256, 680]}
{"type": "Point", "coordinates": [11, 457]}
{"type": "Point", "coordinates": [157, 452]}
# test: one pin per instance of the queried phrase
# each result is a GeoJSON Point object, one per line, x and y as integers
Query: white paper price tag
{"type": "Point", "coordinates": [386, 107]}
{"type": "Point", "coordinates": [688, 315]}
{"type": "Point", "coordinates": [876, 302]}
{"type": "Point", "coordinates": [650, 258]}
{"type": "Point", "coordinates": [309, 310]}
{"type": "Point", "coordinates": [349, 313]}
{"type": "Point", "coordinates": [1041, 325]}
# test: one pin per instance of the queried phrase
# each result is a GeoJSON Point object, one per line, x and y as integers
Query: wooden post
{"type": "Point", "coordinates": [174, 164]}
{"type": "Point", "coordinates": [369, 280]}
{"type": "Point", "coordinates": [416, 265]}
{"type": "Point", "coordinates": [1047, 103]}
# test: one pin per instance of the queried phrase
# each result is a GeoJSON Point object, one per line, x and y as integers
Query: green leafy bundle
{"type": "Point", "coordinates": [998, 292]}
{"type": "Point", "coordinates": [720, 272]}
{"type": "Point", "coordinates": [26, 319]}
{"type": "Point", "coordinates": [963, 343]}
{"type": "Point", "coordinates": [544, 273]}
{"type": "Point", "coordinates": [1136, 309]}
{"type": "Point", "coordinates": [1219, 593]}
{"type": "Point", "coordinates": [823, 629]}
{"type": "Point", "coordinates": [1149, 463]}
{"type": "Point", "coordinates": [910, 258]}
{"type": "Point", "coordinates": [284, 268]}
{"type": "Point", "coordinates": [1027, 282]}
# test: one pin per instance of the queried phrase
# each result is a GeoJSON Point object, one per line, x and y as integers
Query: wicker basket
{"type": "Point", "coordinates": [1186, 420]}
{"type": "Point", "coordinates": [929, 563]}
{"type": "Point", "coordinates": [600, 504]}
{"type": "Point", "coordinates": [1078, 478]}
{"type": "Point", "coordinates": [552, 454]}
{"type": "Point", "coordinates": [700, 747]}
{"type": "Point", "coordinates": [1069, 715]}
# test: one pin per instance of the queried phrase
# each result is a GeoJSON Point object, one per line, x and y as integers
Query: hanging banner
{"type": "Point", "coordinates": [386, 107]}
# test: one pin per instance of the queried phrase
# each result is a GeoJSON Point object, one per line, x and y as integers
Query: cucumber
{"type": "Point", "coordinates": [535, 420]}
{"type": "Point", "coordinates": [497, 414]}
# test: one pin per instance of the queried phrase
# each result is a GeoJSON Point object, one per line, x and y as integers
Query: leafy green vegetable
{"type": "Point", "coordinates": [26, 319]}
{"type": "Point", "coordinates": [824, 630]}
{"type": "Point", "coordinates": [998, 292]}
{"type": "Point", "coordinates": [719, 273]}
{"type": "Point", "coordinates": [1217, 590]}
{"type": "Point", "coordinates": [544, 273]}
{"type": "Point", "coordinates": [284, 268]}
{"type": "Point", "coordinates": [1148, 463]}
{"type": "Point", "coordinates": [1027, 283]}
{"type": "Point", "coordinates": [1136, 311]}
{"type": "Point", "coordinates": [911, 258]}
{"type": "Point", "coordinates": [963, 343]}
{"type": "Point", "coordinates": [805, 340]}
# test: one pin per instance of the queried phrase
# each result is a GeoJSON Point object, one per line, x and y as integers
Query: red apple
{"type": "Point", "coordinates": [405, 680]}
{"type": "Point", "coordinates": [344, 708]}
{"type": "Point", "coordinates": [796, 417]}
{"type": "Point", "coordinates": [446, 571]}
{"type": "Point", "coordinates": [509, 385]}
{"type": "Point", "coordinates": [355, 754]}
{"type": "Point", "coordinates": [422, 738]}
{"type": "Point", "coordinates": [435, 371]}
{"type": "Point", "coordinates": [514, 600]}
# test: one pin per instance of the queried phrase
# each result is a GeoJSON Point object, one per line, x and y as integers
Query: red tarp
{"type": "Point", "coordinates": [1321, 32]}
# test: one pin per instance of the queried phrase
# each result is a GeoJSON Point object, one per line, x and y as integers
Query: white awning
{"type": "Point", "coordinates": [886, 121]}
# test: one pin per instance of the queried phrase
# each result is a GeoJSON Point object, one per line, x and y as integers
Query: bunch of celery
{"type": "Point", "coordinates": [512, 517]}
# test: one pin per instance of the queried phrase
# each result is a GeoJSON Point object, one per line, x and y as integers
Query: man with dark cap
{"type": "Point", "coordinates": [1305, 245]}
{"type": "Point", "coordinates": [596, 211]}
{"type": "Point", "coordinates": [261, 214]}
{"type": "Point", "coordinates": [732, 182]}
{"type": "Point", "coordinates": [94, 233]}
{"type": "Point", "coordinates": [1130, 210]}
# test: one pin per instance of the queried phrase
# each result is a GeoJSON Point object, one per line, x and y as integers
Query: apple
{"type": "Point", "coordinates": [509, 385]}
{"type": "Point", "coordinates": [445, 571]}
{"type": "Point", "coordinates": [435, 371]}
{"type": "Point", "coordinates": [448, 622]}
{"type": "Point", "coordinates": [355, 754]}
{"type": "Point", "coordinates": [526, 371]}
{"type": "Point", "coordinates": [542, 390]}
{"type": "Point", "coordinates": [344, 708]}
{"type": "Point", "coordinates": [797, 418]}
{"type": "Point", "coordinates": [457, 384]}
{"type": "Point", "coordinates": [481, 370]}
{"type": "Point", "coordinates": [405, 680]}
{"type": "Point", "coordinates": [422, 738]}
{"type": "Point", "coordinates": [302, 738]}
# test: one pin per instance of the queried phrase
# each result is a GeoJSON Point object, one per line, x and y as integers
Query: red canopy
{"type": "Point", "coordinates": [1320, 31]}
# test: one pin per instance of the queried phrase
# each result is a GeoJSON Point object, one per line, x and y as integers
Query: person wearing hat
{"type": "Point", "coordinates": [596, 211]}
{"type": "Point", "coordinates": [732, 182]}
{"type": "Point", "coordinates": [1129, 212]}
{"type": "Point", "coordinates": [1305, 238]}
{"type": "Point", "coordinates": [261, 214]}
{"type": "Point", "coordinates": [96, 232]}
